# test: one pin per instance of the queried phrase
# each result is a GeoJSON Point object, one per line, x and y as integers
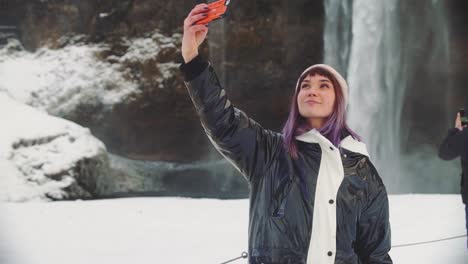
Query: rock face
{"type": "Point", "coordinates": [437, 89]}
{"type": "Point", "coordinates": [43, 22]}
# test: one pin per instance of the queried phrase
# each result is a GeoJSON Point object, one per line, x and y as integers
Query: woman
{"type": "Point", "coordinates": [315, 196]}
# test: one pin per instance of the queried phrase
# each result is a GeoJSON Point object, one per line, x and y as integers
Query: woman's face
{"type": "Point", "coordinates": [316, 99]}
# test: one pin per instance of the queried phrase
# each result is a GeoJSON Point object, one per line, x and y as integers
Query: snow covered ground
{"type": "Point", "coordinates": [179, 230]}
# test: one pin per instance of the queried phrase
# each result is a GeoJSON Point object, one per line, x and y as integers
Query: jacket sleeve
{"type": "Point", "coordinates": [374, 234]}
{"type": "Point", "coordinates": [453, 144]}
{"type": "Point", "coordinates": [238, 138]}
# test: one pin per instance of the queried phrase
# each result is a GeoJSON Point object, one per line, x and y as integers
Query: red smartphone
{"type": "Point", "coordinates": [217, 11]}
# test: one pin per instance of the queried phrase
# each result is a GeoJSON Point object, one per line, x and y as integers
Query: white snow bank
{"type": "Point", "coordinates": [34, 147]}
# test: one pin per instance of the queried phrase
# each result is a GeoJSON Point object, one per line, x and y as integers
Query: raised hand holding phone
{"type": "Point", "coordinates": [194, 34]}
{"type": "Point", "coordinates": [461, 121]}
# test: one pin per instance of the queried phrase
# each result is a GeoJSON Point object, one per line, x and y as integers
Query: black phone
{"type": "Point", "coordinates": [463, 117]}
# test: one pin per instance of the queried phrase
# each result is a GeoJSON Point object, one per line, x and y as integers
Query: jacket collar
{"type": "Point", "coordinates": [349, 143]}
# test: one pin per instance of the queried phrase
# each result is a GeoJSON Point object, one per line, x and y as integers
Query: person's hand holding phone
{"type": "Point", "coordinates": [194, 34]}
{"type": "Point", "coordinates": [461, 121]}
{"type": "Point", "coordinates": [458, 122]}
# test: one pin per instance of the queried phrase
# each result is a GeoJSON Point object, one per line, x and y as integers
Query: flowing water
{"type": "Point", "coordinates": [383, 47]}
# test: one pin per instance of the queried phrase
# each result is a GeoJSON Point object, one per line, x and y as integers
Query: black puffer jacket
{"type": "Point", "coordinates": [291, 220]}
{"type": "Point", "coordinates": [455, 145]}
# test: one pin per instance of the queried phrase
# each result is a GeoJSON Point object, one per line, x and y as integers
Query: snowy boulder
{"type": "Point", "coordinates": [47, 158]}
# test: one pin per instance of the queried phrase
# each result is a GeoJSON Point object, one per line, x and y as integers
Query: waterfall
{"type": "Point", "coordinates": [373, 74]}
{"type": "Point", "coordinates": [337, 36]}
{"type": "Point", "coordinates": [373, 44]}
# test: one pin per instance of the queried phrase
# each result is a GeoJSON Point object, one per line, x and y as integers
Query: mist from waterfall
{"type": "Point", "coordinates": [372, 43]}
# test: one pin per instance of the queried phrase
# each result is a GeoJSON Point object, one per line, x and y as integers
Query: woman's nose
{"type": "Point", "coordinates": [312, 92]}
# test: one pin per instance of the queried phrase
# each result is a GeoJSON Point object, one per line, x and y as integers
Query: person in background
{"type": "Point", "coordinates": [455, 145]}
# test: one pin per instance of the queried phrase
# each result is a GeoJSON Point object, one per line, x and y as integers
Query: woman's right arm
{"type": "Point", "coordinates": [455, 141]}
{"type": "Point", "coordinates": [238, 138]}
{"type": "Point", "coordinates": [453, 144]}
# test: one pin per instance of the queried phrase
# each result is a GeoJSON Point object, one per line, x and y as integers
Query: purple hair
{"type": "Point", "coordinates": [333, 128]}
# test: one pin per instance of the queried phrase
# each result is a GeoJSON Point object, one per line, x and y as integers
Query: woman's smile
{"type": "Point", "coordinates": [311, 102]}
